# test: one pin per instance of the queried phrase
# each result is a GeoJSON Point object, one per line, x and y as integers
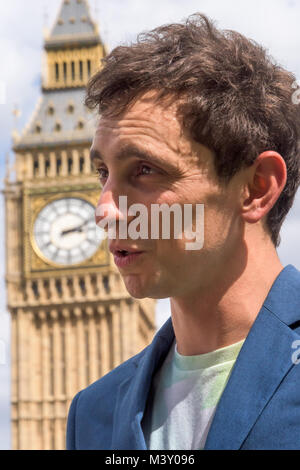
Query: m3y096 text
{"type": "Point", "coordinates": [177, 459]}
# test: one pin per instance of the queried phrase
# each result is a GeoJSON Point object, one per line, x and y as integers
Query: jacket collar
{"type": "Point", "coordinates": [264, 359]}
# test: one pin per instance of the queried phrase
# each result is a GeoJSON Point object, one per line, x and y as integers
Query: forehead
{"type": "Point", "coordinates": [153, 128]}
{"type": "Point", "coordinates": [147, 122]}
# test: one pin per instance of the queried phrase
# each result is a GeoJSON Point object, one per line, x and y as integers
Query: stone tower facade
{"type": "Point", "coordinates": [72, 318]}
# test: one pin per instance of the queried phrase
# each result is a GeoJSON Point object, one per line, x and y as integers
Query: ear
{"type": "Point", "coordinates": [266, 180]}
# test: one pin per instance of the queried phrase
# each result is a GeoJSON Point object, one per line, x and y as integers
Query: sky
{"type": "Point", "coordinates": [272, 23]}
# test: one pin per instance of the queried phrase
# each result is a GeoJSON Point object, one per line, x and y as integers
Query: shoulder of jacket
{"type": "Point", "coordinates": [112, 379]}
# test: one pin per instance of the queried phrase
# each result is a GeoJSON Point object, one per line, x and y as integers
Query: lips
{"type": "Point", "coordinates": [126, 257]}
{"type": "Point", "coordinates": [122, 250]}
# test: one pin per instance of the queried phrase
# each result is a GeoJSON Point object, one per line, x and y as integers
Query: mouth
{"type": "Point", "coordinates": [125, 257]}
{"type": "Point", "coordinates": [122, 252]}
{"type": "Point", "coordinates": [126, 254]}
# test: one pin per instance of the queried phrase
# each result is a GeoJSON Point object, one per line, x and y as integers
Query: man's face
{"type": "Point", "coordinates": [144, 154]}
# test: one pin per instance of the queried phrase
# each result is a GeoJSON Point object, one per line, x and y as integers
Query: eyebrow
{"type": "Point", "coordinates": [129, 151]}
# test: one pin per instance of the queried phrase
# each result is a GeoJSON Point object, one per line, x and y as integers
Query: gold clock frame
{"type": "Point", "coordinates": [35, 263]}
{"type": "Point", "coordinates": [39, 252]}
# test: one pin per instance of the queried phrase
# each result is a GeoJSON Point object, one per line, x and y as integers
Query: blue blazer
{"type": "Point", "coordinates": [259, 408]}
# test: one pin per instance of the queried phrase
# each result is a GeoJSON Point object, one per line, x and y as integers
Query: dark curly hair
{"type": "Point", "coordinates": [234, 98]}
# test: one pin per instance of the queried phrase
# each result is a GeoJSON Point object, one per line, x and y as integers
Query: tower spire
{"type": "Point", "coordinates": [73, 23]}
{"type": "Point", "coordinates": [72, 54]}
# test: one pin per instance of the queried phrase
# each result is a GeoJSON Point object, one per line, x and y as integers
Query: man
{"type": "Point", "coordinates": [194, 115]}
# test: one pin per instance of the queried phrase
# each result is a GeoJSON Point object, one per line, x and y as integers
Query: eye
{"type": "Point", "coordinates": [142, 170]}
{"type": "Point", "coordinates": [145, 170]}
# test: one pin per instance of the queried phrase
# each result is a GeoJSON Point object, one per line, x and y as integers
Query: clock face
{"type": "Point", "coordinates": [65, 231]}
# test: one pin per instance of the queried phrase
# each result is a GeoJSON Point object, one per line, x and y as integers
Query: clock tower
{"type": "Point", "coordinates": [72, 318]}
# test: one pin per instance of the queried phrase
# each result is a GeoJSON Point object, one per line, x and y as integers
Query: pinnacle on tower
{"type": "Point", "coordinates": [73, 23]}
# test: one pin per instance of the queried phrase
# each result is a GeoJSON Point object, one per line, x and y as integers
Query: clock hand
{"type": "Point", "coordinates": [72, 230]}
{"type": "Point", "coordinates": [76, 229]}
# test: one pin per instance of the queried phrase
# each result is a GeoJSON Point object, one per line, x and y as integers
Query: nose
{"type": "Point", "coordinates": [108, 210]}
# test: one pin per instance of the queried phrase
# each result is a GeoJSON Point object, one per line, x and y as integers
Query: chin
{"type": "Point", "coordinates": [140, 288]}
{"type": "Point", "coordinates": [135, 289]}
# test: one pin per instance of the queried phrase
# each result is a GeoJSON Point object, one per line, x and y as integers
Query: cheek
{"type": "Point", "coordinates": [172, 255]}
{"type": "Point", "coordinates": [221, 228]}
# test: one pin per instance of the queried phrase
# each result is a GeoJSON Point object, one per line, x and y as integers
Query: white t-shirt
{"type": "Point", "coordinates": [184, 397]}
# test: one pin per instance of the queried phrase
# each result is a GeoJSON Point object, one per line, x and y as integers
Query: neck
{"type": "Point", "coordinates": [223, 312]}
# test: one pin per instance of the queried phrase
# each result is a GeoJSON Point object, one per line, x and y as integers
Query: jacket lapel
{"type": "Point", "coordinates": [133, 393]}
{"type": "Point", "coordinates": [263, 362]}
